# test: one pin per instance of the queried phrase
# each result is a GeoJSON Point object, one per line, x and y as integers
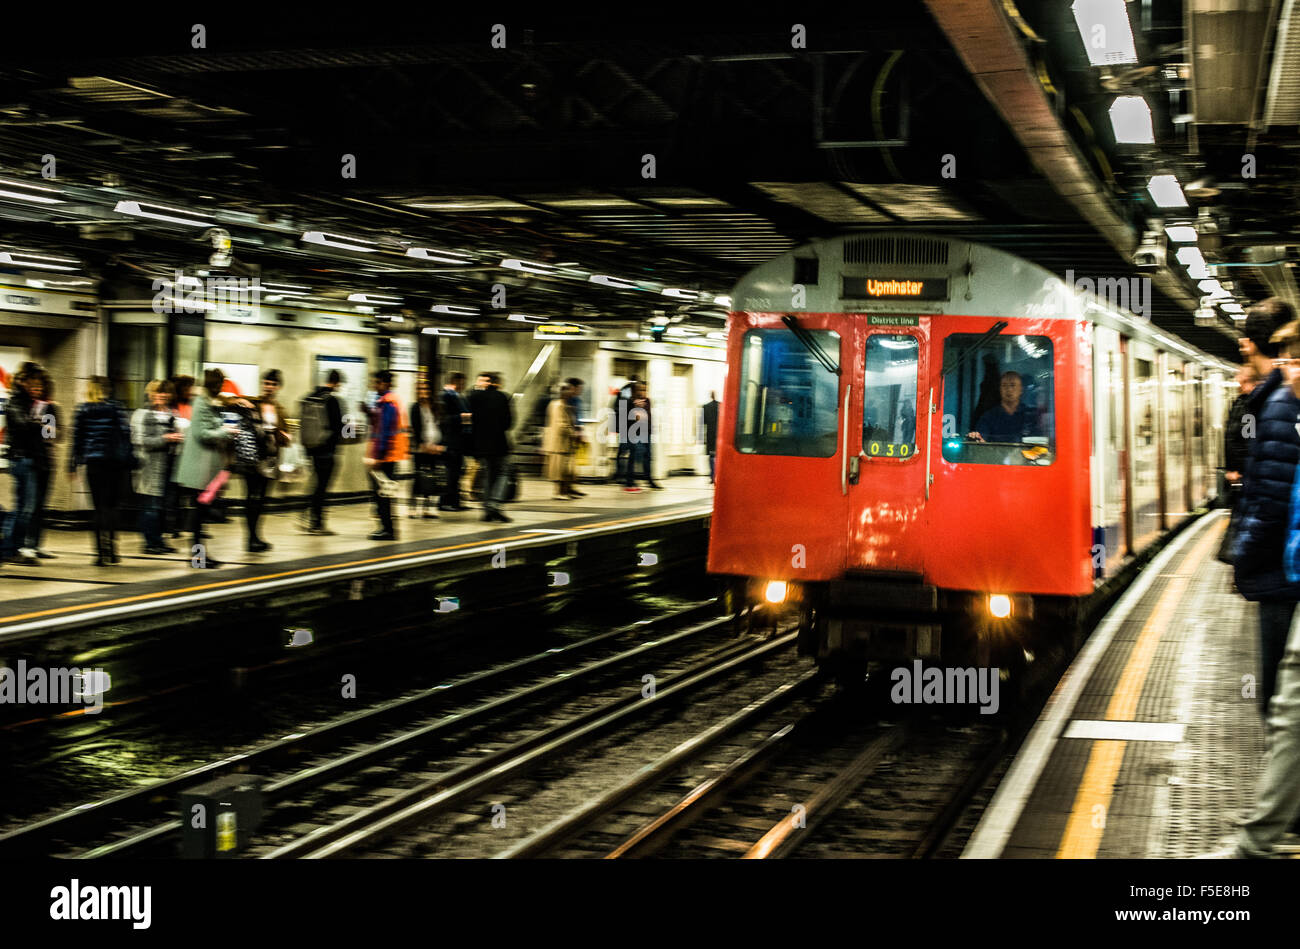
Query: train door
{"type": "Point", "coordinates": [780, 504]}
{"type": "Point", "coordinates": [888, 418]}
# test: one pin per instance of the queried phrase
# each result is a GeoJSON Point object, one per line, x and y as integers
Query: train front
{"type": "Point", "coordinates": [902, 459]}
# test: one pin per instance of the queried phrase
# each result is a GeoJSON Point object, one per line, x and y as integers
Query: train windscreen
{"type": "Point", "coordinates": [889, 396]}
{"type": "Point", "coordinates": [788, 400]}
{"type": "Point", "coordinates": [997, 400]}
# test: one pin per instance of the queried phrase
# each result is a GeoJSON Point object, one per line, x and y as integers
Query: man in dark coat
{"type": "Point", "coordinates": [492, 418]}
{"type": "Point", "coordinates": [710, 417]}
{"type": "Point", "coordinates": [1236, 446]}
{"type": "Point", "coordinates": [323, 456]}
{"type": "Point", "coordinates": [1266, 493]}
{"type": "Point", "coordinates": [455, 432]}
{"type": "Point", "coordinates": [621, 408]}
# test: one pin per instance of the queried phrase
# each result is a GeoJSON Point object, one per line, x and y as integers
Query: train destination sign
{"type": "Point", "coordinates": [890, 288]}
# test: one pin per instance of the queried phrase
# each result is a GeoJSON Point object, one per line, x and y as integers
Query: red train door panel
{"type": "Point", "coordinates": [887, 428]}
{"type": "Point", "coordinates": [781, 498]}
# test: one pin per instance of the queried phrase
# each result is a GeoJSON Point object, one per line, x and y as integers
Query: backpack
{"type": "Point", "coordinates": [314, 422]}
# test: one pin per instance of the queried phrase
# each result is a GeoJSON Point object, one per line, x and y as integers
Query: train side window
{"type": "Point", "coordinates": [889, 396]}
{"type": "Point", "coordinates": [998, 403]}
{"type": "Point", "coordinates": [789, 402]}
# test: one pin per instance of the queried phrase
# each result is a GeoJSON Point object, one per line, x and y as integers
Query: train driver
{"type": "Point", "coordinates": [1009, 421]}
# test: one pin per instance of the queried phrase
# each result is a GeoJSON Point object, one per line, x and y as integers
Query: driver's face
{"type": "Point", "coordinates": [1011, 390]}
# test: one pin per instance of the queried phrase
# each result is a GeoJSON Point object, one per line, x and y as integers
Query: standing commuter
{"type": "Point", "coordinates": [176, 513]}
{"type": "Point", "coordinates": [268, 417]}
{"type": "Point", "coordinates": [1236, 446]}
{"type": "Point", "coordinates": [558, 438]}
{"type": "Point", "coordinates": [426, 435]}
{"type": "Point", "coordinates": [456, 432]}
{"type": "Point", "coordinates": [640, 434]}
{"type": "Point", "coordinates": [23, 437]}
{"type": "Point", "coordinates": [46, 411]}
{"type": "Point", "coordinates": [387, 446]}
{"type": "Point", "coordinates": [1270, 473]}
{"type": "Point", "coordinates": [159, 439]}
{"type": "Point", "coordinates": [620, 422]}
{"type": "Point", "coordinates": [101, 441]}
{"type": "Point", "coordinates": [204, 457]}
{"type": "Point", "coordinates": [321, 431]}
{"type": "Point", "coordinates": [709, 415]}
{"type": "Point", "coordinates": [579, 433]}
{"type": "Point", "coordinates": [492, 418]}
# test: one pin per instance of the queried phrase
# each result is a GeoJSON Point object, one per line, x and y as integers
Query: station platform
{"type": "Point", "coordinates": [69, 593]}
{"type": "Point", "coordinates": [1151, 744]}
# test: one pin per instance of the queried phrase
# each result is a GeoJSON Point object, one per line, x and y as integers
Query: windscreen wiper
{"type": "Point", "coordinates": [974, 347]}
{"type": "Point", "coordinates": [810, 344]}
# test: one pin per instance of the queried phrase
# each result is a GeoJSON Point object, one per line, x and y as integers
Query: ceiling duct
{"type": "Point", "coordinates": [1282, 107]}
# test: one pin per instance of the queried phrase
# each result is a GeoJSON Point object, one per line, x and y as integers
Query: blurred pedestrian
{"type": "Point", "coordinates": [25, 451]}
{"type": "Point", "coordinates": [176, 511]}
{"type": "Point", "coordinates": [48, 413]}
{"type": "Point", "coordinates": [640, 432]}
{"type": "Point", "coordinates": [576, 386]}
{"type": "Point", "coordinates": [558, 442]}
{"type": "Point", "coordinates": [204, 459]}
{"type": "Point", "coordinates": [388, 445]}
{"type": "Point", "coordinates": [320, 429]}
{"type": "Point", "coordinates": [456, 431]}
{"type": "Point", "coordinates": [620, 410]}
{"type": "Point", "coordinates": [273, 433]}
{"type": "Point", "coordinates": [492, 418]}
{"type": "Point", "coordinates": [709, 416]}
{"type": "Point", "coordinates": [426, 436]}
{"type": "Point", "coordinates": [101, 442]}
{"type": "Point", "coordinates": [160, 439]}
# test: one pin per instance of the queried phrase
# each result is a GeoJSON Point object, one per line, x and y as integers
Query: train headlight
{"type": "Point", "coordinates": [775, 591]}
{"type": "Point", "coordinates": [999, 605]}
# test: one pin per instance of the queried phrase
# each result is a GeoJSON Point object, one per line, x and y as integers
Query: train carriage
{"type": "Point", "coordinates": [931, 447]}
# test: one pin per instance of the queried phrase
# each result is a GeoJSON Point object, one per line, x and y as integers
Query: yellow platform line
{"type": "Point", "coordinates": [1087, 824]}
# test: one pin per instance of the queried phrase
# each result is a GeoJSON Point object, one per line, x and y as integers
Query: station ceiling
{"type": "Point", "coordinates": [537, 152]}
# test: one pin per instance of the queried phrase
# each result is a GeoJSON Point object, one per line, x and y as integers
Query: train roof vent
{"type": "Point", "coordinates": [921, 251]}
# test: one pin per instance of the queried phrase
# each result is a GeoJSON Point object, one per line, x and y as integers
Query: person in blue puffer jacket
{"type": "Point", "coordinates": [101, 441]}
{"type": "Point", "coordinates": [1266, 493]}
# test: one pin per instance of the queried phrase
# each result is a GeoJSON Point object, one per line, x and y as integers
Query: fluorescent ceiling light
{"type": "Point", "coordinates": [1210, 286]}
{"type": "Point", "coordinates": [631, 334]}
{"type": "Point", "coordinates": [716, 335]}
{"type": "Point", "coordinates": [7, 184]}
{"type": "Point", "coordinates": [674, 331]}
{"type": "Point", "coordinates": [1166, 192]}
{"type": "Point", "coordinates": [39, 261]}
{"type": "Point", "coordinates": [158, 212]}
{"type": "Point", "coordinates": [722, 301]}
{"type": "Point", "coordinates": [527, 266]}
{"type": "Point", "coordinates": [1232, 308]}
{"type": "Point", "coordinates": [525, 318]}
{"type": "Point", "coordinates": [441, 331]}
{"type": "Point", "coordinates": [453, 310]}
{"type": "Point", "coordinates": [1197, 270]}
{"type": "Point", "coordinates": [439, 256]}
{"type": "Point", "coordinates": [376, 298]}
{"type": "Point", "coordinates": [618, 283]}
{"type": "Point", "coordinates": [335, 240]}
{"type": "Point", "coordinates": [1181, 233]}
{"type": "Point", "coordinates": [1105, 30]}
{"type": "Point", "coordinates": [1187, 256]}
{"type": "Point", "coordinates": [1130, 117]}
{"type": "Point", "coordinates": [680, 294]}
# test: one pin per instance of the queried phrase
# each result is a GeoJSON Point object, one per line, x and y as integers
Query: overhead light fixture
{"type": "Point", "coordinates": [1210, 286]}
{"type": "Point", "coordinates": [1130, 117]}
{"type": "Point", "coordinates": [453, 310]}
{"type": "Point", "coordinates": [443, 331]}
{"type": "Point", "coordinates": [1232, 308]}
{"type": "Point", "coordinates": [716, 335]}
{"type": "Point", "coordinates": [632, 334]}
{"type": "Point", "coordinates": [158, 212]}
{"type": "Point", "coordinates": [7, 186]}
{"type": "Point", "coordinates": [1181, 233]}
{"type": "Point", "coordinates": [439, 256]}
{"type": "Point", "coordinates": [618, 283]}
{"type": "Point", "coordinates": [339, 241]}
{"type": "Point", "coordinates": [1106, 31]}
{"type": "Point", "coordinates": [18, 258]}
{"type": "Point", "coordinates": [722, 301]}
{"type": "Point", "coordinates": [680, 294]}
{"type": "Point", "coordinates": [375, 298]}
{"type": "Point", "coordinates": [1189, 255]}
{"type": "Point", "coordinates": [1166, 192]}
{"type": "Point", "coordinates": [527, 266]}
{"type": "Point", "coordinates": [525, 318]}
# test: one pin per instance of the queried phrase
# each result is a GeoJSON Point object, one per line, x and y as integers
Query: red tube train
{"type": "Point", "coordinates": [932, 448]}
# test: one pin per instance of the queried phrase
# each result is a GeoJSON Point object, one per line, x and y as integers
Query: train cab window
{"type": "Point", "coordinates": [889, 396]}
{"type": "Point", "coordinates": [788, 400]}
{"type": "Point", "coordinates": [998, 406]}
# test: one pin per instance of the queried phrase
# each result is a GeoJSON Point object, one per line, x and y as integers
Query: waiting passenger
{"type": "Point", "coordinates": [321, 431]}
{"type": "Point", "coordinates": [388, 442]}
{"type": "Point", "coordinates": [101, 441]}
{"type": "Point", "coordinates": [426, 436]}
{"type": "Point", "coordinates": [268, 416]}
{"type": "Point", "coordinates": [204, 458]}
{"type": "Point", "coordinates": [23, 436]}
{"type": "Point", "coordinates": [558, 441]}
{"type": "Point", "coordinates": [159, 439]}
{"type": "Point", "coordinates": [47, 412]}
{"type": "Point", "coordinates": [1266, 493]}
{"type": "Point", "coordinates": [456, 435]}
{"type": "Point", "coordinates": [1009, 422]}
{"type": "Point", "coordinates": [492, 418]}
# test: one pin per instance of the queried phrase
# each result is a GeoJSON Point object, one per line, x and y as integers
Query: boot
{"type": "Point", "coordinates": [112, 548]}
{"type": "Point", "coordinates": [101, 560]}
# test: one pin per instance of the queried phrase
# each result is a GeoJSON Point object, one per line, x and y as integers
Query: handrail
{"type": "Point", "coordinates": [844, 451]}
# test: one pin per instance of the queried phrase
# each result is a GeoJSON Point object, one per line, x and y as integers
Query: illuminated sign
{"type": "Point", "coordinates": [874, 320]}
{"type": "Point", "coordinates": [879, 449]}
{"type": "Point", "coordinates": [889, 288]}
{"type": "Point", "coordinates": [551, 330]}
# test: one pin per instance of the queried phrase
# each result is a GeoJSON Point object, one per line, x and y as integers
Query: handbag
{"type": "Point", "coordinates": [1226, 547]}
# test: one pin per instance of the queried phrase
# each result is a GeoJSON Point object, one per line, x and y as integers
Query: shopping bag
{"type": "Point", "coordinates": [209, 494]}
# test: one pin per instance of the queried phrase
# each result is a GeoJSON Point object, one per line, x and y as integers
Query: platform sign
{"type": "Point", "coordinates": [401, 354]}
{"type": "Point", "coordinates": [356, 380]}
{"type": "Point", "coordinates": [559, 331]}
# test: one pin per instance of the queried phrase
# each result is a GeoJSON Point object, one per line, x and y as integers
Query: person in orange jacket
{"type": "Point", "coordinates": [388, 445]}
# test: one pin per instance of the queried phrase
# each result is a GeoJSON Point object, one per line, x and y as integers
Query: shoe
{"type": "Point", "coordinates": [44, 554]}
{"type": "Point", "coordinates": [498, 516]}
{"type": "Point", "coordinates": [561, 497]}
{"type": "Point", "coordinates": [656, 486]}
{"type": "Point", "coordinates": [632, 489]}
{"type": "Point", "coordinates": [382, 535]}
{"type": "Point", "coordinates": [101, 562]}
{"type": "Point", "coordinates": [27, 555]}
{"type": "Point", "coordinates": [430, 514]}
{"type": "Point", "coordinates": [257, 546]}
{"type": "Point", "coordinates": [320, 531]}
{"type": "Point", "coordinates": [159, 550]}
